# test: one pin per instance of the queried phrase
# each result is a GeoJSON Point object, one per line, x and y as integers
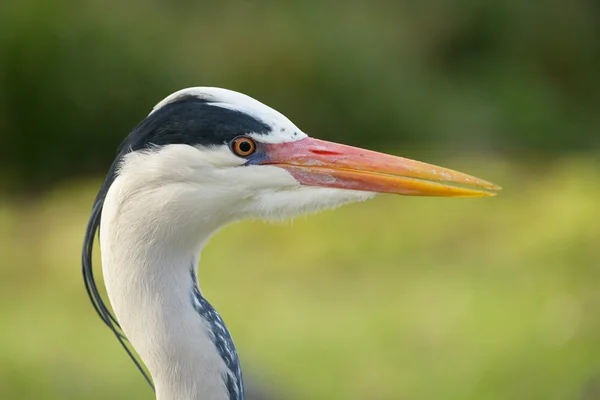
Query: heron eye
{"type": "Point", "coordinates": [243, 146]}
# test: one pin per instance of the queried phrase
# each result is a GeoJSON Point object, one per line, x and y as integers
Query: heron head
{"type": "Point", "coordinates": [234, 157]}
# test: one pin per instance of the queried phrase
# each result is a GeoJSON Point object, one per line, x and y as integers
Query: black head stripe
{"type": "Point", "coordinates": [193, 121]}
{"type": "Point", "coordinates": [187, 120]}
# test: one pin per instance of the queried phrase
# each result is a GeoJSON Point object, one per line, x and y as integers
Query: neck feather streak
{"type": "Point", "coordinates": [151, 283]}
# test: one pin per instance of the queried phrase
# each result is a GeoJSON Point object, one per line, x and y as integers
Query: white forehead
{"type": "Point", "coordinates": [282, 129]}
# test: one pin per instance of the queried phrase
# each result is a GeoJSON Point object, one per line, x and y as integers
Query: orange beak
{"type": "Point", "coordinates": [316, 162]}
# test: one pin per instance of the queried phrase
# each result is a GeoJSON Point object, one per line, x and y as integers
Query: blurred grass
{"type": "Point", "coordinates": [397, 298]}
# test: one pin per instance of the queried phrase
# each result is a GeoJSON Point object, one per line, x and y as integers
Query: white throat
{"type": "Point", "coordinates": [148, 265]}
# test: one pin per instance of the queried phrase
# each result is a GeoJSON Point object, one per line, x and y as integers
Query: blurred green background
{"type": "Point", "coordinates": [397, 298]}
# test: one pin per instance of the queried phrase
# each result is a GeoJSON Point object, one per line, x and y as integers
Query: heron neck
{"type": "Point", "coordinates": [150, 277]}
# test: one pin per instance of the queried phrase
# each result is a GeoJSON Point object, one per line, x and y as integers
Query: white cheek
{"type": "Point", "coordinates": [201, 184]}
{"type": "Point", "coordinates": [254, 178]}
{"type": "Point", "coordinates": [282, 205]}
{"type": "Point", "coordinates": [270, 192]}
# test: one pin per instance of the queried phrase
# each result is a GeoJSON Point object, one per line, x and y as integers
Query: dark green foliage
{"type": "Point", "coordinates": [503, 76]}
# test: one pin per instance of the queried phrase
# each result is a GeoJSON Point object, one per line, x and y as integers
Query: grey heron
{"type": "Point", "coordinates": [205, 157]}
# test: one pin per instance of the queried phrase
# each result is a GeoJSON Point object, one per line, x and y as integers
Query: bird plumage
{"type": "Point", "coordinates": [165, 191]}
{"type": "Point", "coordinates": [179, 176]}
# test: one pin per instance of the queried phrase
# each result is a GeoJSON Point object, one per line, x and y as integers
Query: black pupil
{"type": "Point", "coordinates": [245, 147]}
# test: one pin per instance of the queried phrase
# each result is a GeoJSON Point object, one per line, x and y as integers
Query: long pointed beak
{"type": "Point", "coordinates": [316, 162]}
